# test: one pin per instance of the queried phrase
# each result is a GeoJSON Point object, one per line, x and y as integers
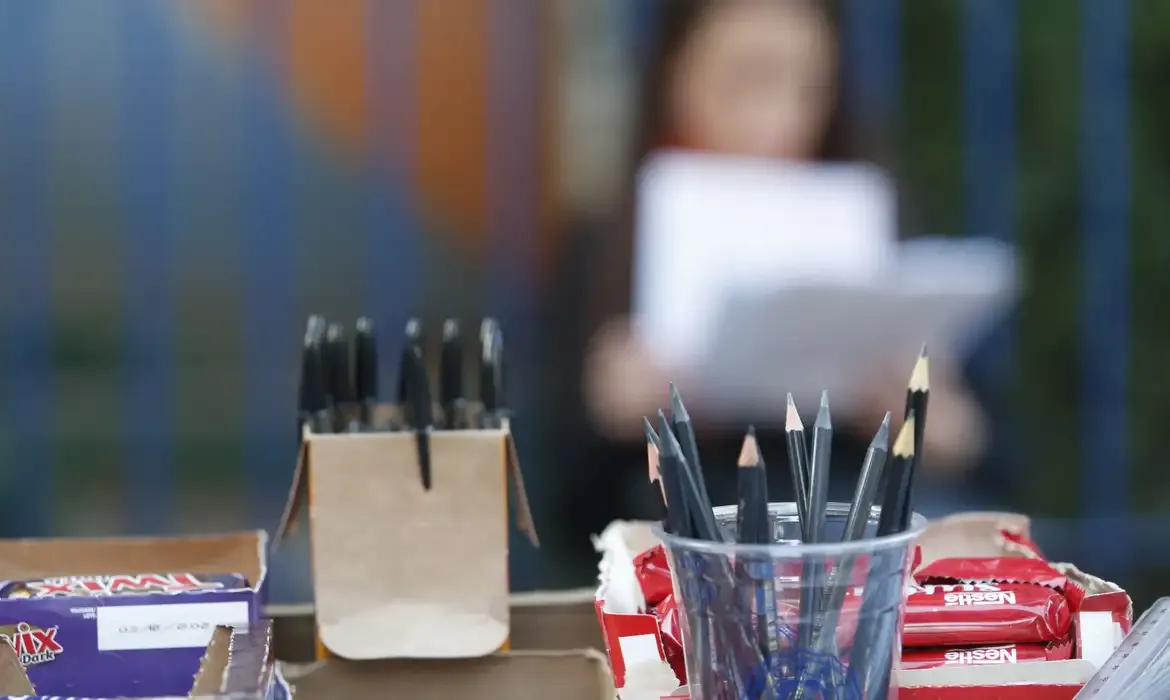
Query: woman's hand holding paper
{"type": "Point", "coordinates": [622, 381]}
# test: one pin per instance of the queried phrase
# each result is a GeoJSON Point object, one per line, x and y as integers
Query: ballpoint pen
{"type": "Point", "coordinates": [365, 371]}
{"type": "Point", "coordinates": [314, 400]}
{"type": "Point", "coordinates": [414, 393]}
{"type": "Point", "coordinates": [451, 378]}
{"type": "Point", "coordinates": [340, 381]}
{"type": "Point", "coordinates": [491, 374]}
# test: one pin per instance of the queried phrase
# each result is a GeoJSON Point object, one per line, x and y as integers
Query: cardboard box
{"type": "Point", "coordinates": [127, 644]}
{"type": "Point", "coordinates": [235, 663]}
{"type": "Point", "coordinates": [541, 621]}
{"type": "Point", "coordinates": [389, 555]}
{"type": "Point", "coordinates": [517, 675]}
{"type": "Point", "coordinates": [633, 639]}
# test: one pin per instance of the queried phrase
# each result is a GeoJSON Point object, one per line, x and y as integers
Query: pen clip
{"type": "Point", "coordinates": [365, 370]}
{"type": "Point", "coordinates": [451, 376]}
{"type": "Point", "coordinates": [491, 372]}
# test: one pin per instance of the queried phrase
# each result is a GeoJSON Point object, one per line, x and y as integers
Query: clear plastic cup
{"type": "Point", "coordinates": [788, 620]}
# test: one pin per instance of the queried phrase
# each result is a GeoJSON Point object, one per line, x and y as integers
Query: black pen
{"type": "Point", "coordinates": [491, 373]}
{"type": "Point", "coordinates": [340, 381]}
{"type": "Point", "coordinates": [365, 371]}
{"type": "Point", "coordinates": [314, 399]}
{"type": "Point", "coordinates": [451, 377]}
{"type": "Point", "coordinates": [414, 392]}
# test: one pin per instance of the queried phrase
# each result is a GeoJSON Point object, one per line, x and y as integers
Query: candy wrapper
{"type": "Point", "coordinates": [653, 572]}
{"type": "Point", "coordinates": [918, 659]}
{"type": "Point", "coordinates": [948, 615]}
{"type": "Point", "coordinates": [125, 584]}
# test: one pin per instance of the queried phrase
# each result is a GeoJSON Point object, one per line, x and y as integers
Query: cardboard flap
{"type": "Point", "coordinates": [212, 674]}
{"type": "Point", "coordinates": [13, 680]}
{"type": "Point", "coordinates": [297, 493]}
{"type": "Point", "coordinates": [975, 534]}
{"type": "Point", "coordinates": [388, 555]}
{"type": "Point", "coordinates": [234, 553]}
{"type": "Point", "coordinates": [524, 521]}
{"type": "Point", "coordinates": [578, 675]}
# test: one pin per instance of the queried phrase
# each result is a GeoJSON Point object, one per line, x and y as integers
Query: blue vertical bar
{"type": "Point", "coordinates": [989, 208]}
{"type": "Point", "coordinates": [989, 118]}
{"type": "Point", "coordinates": [270, 333]}
{"type": "Point", "coordinates": [871, 31]}
{"type": "Point", "coordinates": [146, 124]}
{"type": "Point", "coordinates": [513, 165]}
{"type": "Point", "coordinates": [25, 266]}
{"type": "Point", "coordinates": [393, 275]}
{"type": "Point", "coordinates": [1105, 326]}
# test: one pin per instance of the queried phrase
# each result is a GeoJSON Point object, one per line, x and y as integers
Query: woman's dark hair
{"type": "Point", "coordinates": [676, 22]}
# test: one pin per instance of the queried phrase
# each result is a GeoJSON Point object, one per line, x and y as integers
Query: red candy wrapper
{"type": "Point", "coordinates": [993, 570]}
{"type": "Point", "coordinates": [653, 572]}
{"type": "Point", "coordinates": [666, 612]}
{"type": "Point", "coordinates": [917, 659]}
{"type": "Point", "coordinates": [947, 615]}
{"type": "Point", "coordinates": [1023, 543]}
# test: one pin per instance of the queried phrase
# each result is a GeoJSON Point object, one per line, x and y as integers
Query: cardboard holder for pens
{"type": "Point", "coordinates": [401, 572]}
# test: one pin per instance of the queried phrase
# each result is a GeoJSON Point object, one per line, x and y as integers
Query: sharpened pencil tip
{"type": "Point", "coordinates": [749, 456]}
{"type": "Point", "coordinates": [920, 376]}
{"type": "Point", "coordinates": [652, 462]}
{"type": "Point", "coordinates": [678, 411]}
{"type": "Point", "coordinates": [651, 436]}
{"type": "Point", "coordinates": [882, 437]}
{"type": "Point", "coordinates": [904, 445]}
{"type": "Point", "coordinates": [668, 444]}
{"type": "Point", "coordinates": [824, 418]}
{"type": "Point", "coordinates": [792, 419]}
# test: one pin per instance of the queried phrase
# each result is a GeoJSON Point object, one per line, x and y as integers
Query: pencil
{"type": "Point", "coordinates": [752, 527]}
{"type": "Point", "coordinates": [702, 514]}
{"type": "Point", "coordinates": [653, 447]}
{"type": "Point", "coordinates": [855, 525]}
{"type": "Point", "coordinates": [684, 429]}
{"type": "Point", "coordinates": [678, 515]}
{"type": "Point", "coordinates": [872, 646]}
{"type": "Point", "coordinates": [798, 465]}
{"type": "Point", "coordinates": [895, 499]}
{"type": "Point", "coordinates": [917, 398]}
{"type": "Point", "coordinates": [819, 471]}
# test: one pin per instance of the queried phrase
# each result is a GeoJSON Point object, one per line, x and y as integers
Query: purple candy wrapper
{"type": "Point", "coordinates": [138, 635]}
{"type": "Point", "coordinates": [124, 584]}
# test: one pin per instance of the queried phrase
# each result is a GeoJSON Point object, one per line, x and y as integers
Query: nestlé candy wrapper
{"type": "Point", "coordinates": [993, 570]}
{"type": "Point", "coordinates": [653, 572]}
{"type": "Point", "coordinates": [666, 612]}
{"type": "Point", "coordinates": [967, 614]}
{"type": "Point", "coordinates": [917, 659]}
{"type": "Point", "coordinates": [125, 584]}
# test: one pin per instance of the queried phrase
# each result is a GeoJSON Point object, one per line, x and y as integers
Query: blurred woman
{"type": "Point", "coordinates": [756, 78]}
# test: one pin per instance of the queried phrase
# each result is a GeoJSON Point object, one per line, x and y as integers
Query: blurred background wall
{"type": "Point", "coordinates": [182, 181]}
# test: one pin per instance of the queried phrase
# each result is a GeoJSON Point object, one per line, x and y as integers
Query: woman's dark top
{"type": "Point", "coordinates": [596, 480]}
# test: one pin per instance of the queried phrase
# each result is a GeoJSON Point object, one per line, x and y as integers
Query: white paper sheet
{"type": "Point", "coordinates": [710, 227]}
{"type": "Point", "coordinates": [764, 278]}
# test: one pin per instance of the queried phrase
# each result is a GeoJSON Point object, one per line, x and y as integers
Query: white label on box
{"type": "Point", "coordinates": [639, 648]}
{"type": "Point", "coordinates": [135, 627]}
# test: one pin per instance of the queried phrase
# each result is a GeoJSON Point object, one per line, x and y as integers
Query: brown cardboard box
{"type": "Point", "coordinates": [237, 663]}
{"type": "Point", "coordinates": [388, 555]}
{"type": "Point", "coordinates": [520, 675]}
{"type": "Point", "coordinates": [541, 621]}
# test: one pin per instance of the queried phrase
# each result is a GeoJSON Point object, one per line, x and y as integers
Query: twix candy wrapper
{"type": "Point", "coordinates": [124, 584]}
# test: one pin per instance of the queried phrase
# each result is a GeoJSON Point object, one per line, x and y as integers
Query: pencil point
{"type": "Point", "coordinates": [749, 456]}
{"type": "Point", "coordinates": [920, 377]}
{"type": "Point", "coordinates": [824, 419]}
{"type": "Point", "coordinates": [792, 419]}
{"type": "Point", "coordinates": [922, 352]}
{"type": "Point", "coordinates": [652, 462]}
{"type": "Point", "coordinates": [882, 437]}
{"type": "Point", "coordinates": [678, 412]}
{"type": "Point", "coordinates": [668, 444]}
{"type": "Point", "coordinates": [904, 445]}
{"type": "Point", "coordinates": [651, 436]}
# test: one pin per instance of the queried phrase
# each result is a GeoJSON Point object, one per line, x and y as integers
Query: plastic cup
{"type": "Point", "coordinates": [788, 620]}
